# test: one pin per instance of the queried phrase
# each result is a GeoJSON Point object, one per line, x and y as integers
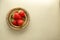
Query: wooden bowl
{"type": "Point", "coordinates": [26, 21]}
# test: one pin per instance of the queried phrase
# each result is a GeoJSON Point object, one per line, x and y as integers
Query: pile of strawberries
{"type": "Point", "coordinates": [18, 18]}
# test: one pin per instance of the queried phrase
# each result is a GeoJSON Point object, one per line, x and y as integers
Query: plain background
{"type": "Point", "coordinates": [44, 20]}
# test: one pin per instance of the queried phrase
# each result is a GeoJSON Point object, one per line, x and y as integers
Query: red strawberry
{"type": "Point", "coordinates": [22, 13]}
{"type": "Point", "coordinates": [16, 16]}
{"type": "Point", "coordinates": [14, 22]}
{"type": "Point", "coordinates": [20, 22]}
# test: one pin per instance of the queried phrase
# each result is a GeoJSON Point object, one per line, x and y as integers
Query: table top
{"type": "Point", "coordinates": [44, 20]}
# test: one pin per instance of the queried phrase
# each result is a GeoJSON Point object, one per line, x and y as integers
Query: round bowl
{"type": "Point", "coordinates": [26, 20]}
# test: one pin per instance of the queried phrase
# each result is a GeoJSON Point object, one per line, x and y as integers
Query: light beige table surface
{"type": "Point", "coordinates": [44, 20]}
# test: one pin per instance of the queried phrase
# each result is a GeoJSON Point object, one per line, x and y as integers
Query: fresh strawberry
{"type": "Point", "coordinates": [16, 16]}
{"type": "Point", "coordinates": [14, 22]}
{"type": "Point", "coordinates": [20, 22]}
{"type": "Point", "coordinates": [22, 13]}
